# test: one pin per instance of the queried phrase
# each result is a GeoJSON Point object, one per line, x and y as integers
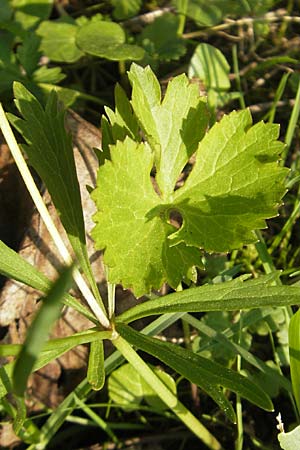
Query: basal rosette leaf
{"type": "Point", "coordinates": [236, 184]}
{"type": "Point", "coordinates": [136, 247]}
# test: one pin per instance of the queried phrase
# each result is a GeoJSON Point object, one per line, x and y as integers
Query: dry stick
{"type": "Point", "coordinates": [41, 207]}
{"type": "Point", "coordinates": [276, 16]}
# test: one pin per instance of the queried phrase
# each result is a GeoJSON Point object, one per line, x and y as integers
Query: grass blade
{"type": "Point", "coordinates": [294, 349]}
{"type": "Point", "coordinates": [39, 330]}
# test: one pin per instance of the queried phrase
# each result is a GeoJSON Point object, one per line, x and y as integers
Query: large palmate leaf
{"type": "Point", "coordinates": [50, 152]}
{"type": "Point", "coordinates": [138, 243]}
{"type": "Point", "coordinates": [235, 184]}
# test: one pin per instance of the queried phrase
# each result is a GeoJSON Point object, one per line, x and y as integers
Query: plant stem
{"type": "Point", "coordinates": [182, 10]}
{"type": "Point", "coordinates": [165, 394]}
{"type": "Point", "coordinates": [111, 291]}
{"type": "Point", "coordinates": [292, 124]}
{"type": "Point", "coordinates": [237, 76]}
{"type": "Point", "coordinates": [239, 409]}
{"type": "Point", "coordinates": [42, 209]}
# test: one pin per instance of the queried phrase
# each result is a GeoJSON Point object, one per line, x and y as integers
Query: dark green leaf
{"type": "Point", "coordinates": [228, 296]}
{"type": "Point", "coordinates": [28, 53]}
{"type": "Point", "coordinates": [106, 40]}
{"type": "Point", "coordinates": [95, 372]}
{"type": "Point", "coordinates": [5, 11]}
{"type": "Point", "coordinates": [160, 38]}
{"type": "Point", "coordinates": [50, 152]}
{"type": "Point", "coordinates": [38, 331]}
{"type": "Point", "coordinates": [207, 374]}
{"type": "Point", "coordinates": [124, 9]}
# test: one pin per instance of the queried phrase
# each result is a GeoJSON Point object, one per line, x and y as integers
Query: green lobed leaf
{"type": "Point", "coordinates": [49, 149]}
{"type": "Point", "coordinates": [228, 296]}
{"type": "Point", "coordinates": [120, 123]}
{"type": "Point", "coordinates": [28, 53]}
{"type": "Point", "coordinates": [235, 184]}
{"type": "Point", "coordinates": [160, 38]}
{"type": "Point", "coordinates": [38, 331]}
{"type": "Point", "coordinates": [207, 374]}
{"type": "Point", "coordinates": [106, 40]}
{"type": "Point", "coordinates": [173, 127]}
{"type": "Point", "coordinates": [48, 75]}
{"type": "Point", "coordinates": [58, 41]}
{"type": "Point", "coordinates": [143, 259]}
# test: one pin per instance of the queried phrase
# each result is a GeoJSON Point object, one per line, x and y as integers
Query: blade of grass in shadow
{"type": "Point", "coordinates": [292, 124]}
{"type": "Point", "coordinates": [38, 331]}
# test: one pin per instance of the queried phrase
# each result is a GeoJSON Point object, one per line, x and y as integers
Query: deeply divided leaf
{"type": "Point", "coordinates": [150, 226]}
{"type": "Point", "coordinates": [50, 152]}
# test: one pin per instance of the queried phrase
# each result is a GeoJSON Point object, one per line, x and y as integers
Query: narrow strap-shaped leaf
{"type": "Point", "coordinates": [228, 296]}
{"type": "Point", "coordinates": [12, 265]}
{"type": "Point", "coordinates": [95, 372]}
{"type": "Point", "coordinates": [39, 330]}
{"type": "Point", "coordinates": [294, 349]}
{"type": "Point", "coordinates": [53, 349]}
{"type": "Point", "coordinates": [59, 415]}
{"type": "Point", "coordinates": [49, 149]}
{"type": "Point", "coordinates": [221, 337]}
{"type": "Point", "coordinates": [205, 373]}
